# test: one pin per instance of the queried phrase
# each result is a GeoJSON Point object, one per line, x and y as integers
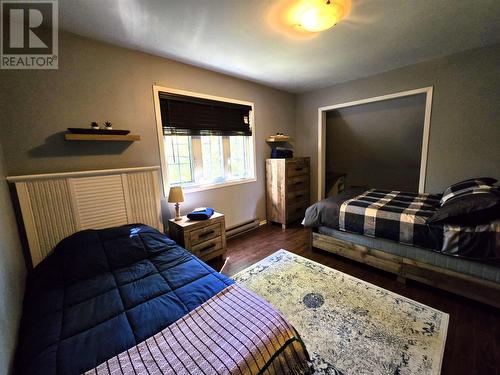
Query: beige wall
{"type": "Point", "coordinates": [465, 124]}
{"type": "Point", "coordinates": [98, 81]}
{"type": "Point", "coordinates": [12, 276]}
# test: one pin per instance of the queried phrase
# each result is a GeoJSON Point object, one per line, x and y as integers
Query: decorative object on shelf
{"type": "Point", "coordinates": [201, 213]}
{"type": "Point", "coordinates": [176, 196]}
{"type": "Point", "coordinates": [108, 125]}
{"type": "Point", "coordinates": [282, 152]}
{"type": "Point", "coordinates": [280, 146]}
{"type": "Point", "coordinates": [94, 125]}
{"type": "Point", "coordinates": [98, 131]}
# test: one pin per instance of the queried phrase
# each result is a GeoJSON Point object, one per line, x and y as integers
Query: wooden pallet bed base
{"type": "Point", "coordinates": [484, 291]}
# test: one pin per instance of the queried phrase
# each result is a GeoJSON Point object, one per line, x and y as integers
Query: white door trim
{"type": "Point", "coordinates": [425, 137]}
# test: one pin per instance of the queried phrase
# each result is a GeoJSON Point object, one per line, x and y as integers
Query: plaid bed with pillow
{"type": "Point", "coordinates": [395, 215]}
{"type": "Point", "coordinates": [405, 217]}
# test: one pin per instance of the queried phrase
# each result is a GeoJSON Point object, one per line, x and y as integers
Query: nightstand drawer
{"type": "Point", "coordinates": [205, 248]}
{"type": "Point", "coordinates": [204, 234]}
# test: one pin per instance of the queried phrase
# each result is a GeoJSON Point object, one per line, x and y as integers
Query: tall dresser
{"type": "Point", "coordinates": [287, 189]}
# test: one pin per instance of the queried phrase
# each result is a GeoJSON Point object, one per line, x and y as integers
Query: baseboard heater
{"type": "Point", "coordinates": [238, 229]}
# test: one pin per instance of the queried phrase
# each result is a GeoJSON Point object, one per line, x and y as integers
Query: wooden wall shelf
{"type": "Point", "coordinates": [102, 137]}
{"type": "Point", "coordinates": [279, 140]}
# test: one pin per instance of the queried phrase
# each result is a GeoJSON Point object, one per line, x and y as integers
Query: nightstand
{"type": "Point", "coordinates": [204, 238]}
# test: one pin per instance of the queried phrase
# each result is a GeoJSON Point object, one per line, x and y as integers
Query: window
{"type": "Point", "coordinates": [206, 142]}
{"type": "Point", "coordinates": [179, 159]}
{"type": "Point", "coordinates": [238, 157]}
{"type": "Point", "coordinates": [212, 159]}
{"type": "Point", "coordinates": [208, 160]}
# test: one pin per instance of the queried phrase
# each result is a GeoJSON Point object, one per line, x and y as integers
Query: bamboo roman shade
{"type": "Point", "coordinates": [187, 115]}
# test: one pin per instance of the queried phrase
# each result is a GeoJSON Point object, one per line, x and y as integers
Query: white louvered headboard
{"type": "Point", "coordinates": [54, 206]}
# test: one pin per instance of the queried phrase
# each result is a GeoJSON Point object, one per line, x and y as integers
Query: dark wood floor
{"type": "Point", "coordinates": [473, 342]}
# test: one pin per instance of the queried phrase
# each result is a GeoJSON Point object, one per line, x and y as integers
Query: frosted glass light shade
{"type": "Point", "coordinates": [318, 15]}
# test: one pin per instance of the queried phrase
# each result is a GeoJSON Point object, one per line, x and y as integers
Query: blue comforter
{"type": "Point", "coordinates": [103, 291]}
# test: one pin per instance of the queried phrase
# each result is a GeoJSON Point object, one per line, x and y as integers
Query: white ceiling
{"type": "Point", "coordinates": [237, 37]}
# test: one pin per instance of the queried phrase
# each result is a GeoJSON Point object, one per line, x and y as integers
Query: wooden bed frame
{"type": "Point", "coordinates": [481, 290]}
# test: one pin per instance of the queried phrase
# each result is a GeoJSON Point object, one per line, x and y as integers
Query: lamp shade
{"type": "Point", "coordinates": [175, 195]}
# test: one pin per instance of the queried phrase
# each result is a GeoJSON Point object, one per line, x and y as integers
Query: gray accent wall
{"type": "Point", "coordinates": [12, 276]}
{"type": "Point", "coordinates": [377, 144]}
{"type": "Point", "coordinates": [99, 81]}
{"type": "Point", "coordinates": [465, 124]}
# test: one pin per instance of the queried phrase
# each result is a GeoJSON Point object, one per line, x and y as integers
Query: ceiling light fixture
{"type": "Point", "coordinates": [320, 15]}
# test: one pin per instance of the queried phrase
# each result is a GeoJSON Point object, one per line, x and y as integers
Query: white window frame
{"type": "Point", "coordinates": [163, 161]}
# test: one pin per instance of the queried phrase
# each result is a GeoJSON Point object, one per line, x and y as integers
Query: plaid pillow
{"type": "Point", "coordinates": [472, 207]}
{"type": "Point", "coordinates": [471, 186]}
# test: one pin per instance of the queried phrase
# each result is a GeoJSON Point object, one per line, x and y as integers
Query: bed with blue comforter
{"type": "Point", "coordinates": [102, 292]}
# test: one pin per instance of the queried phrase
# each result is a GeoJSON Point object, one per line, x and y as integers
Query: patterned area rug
{"type": "Point", "coordinates": [350, 326]}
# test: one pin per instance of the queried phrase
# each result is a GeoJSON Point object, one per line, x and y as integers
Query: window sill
{"type": "Point", "coordinates": [198, 188]}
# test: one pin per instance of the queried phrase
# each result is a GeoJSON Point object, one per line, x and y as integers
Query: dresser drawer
{"type": "Point", "coordinates": [297, 168]}
{"type": "Point", "coordinates": [206, 248]}
{"type": "Point", "coordinates": [296, 210]}
{"type": "Point", "coordinates": [297, 195]}
{"type": "Point", "coordinates": [204, 234]}
{"type": "Point", "coordinates": [297, 183]}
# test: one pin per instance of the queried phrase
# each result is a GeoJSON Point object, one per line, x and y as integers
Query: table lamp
{"type": "Point", "coordinates": [175, 195]}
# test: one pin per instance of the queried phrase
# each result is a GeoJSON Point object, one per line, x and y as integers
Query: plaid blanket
{"type": "Point", "coordinates": [394, 215]}
{"type": "Point", "coordinates": [478, 242]}
{"type": "Point", "coordinates": [401, 217]}
{"type": "Point", "coordinates": [234, 332]}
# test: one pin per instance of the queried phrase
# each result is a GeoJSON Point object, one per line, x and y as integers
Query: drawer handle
{"type": "Point", "coordinates": [298, 182]}
{"type": "Point", "coordinates": [298, 196]}
{"type": "Point", "coordinates": [207, 248]}
{"type": "Point", "coordinates": [207, 233]}
{"type": "Point", "coordinates": [298, 169]}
